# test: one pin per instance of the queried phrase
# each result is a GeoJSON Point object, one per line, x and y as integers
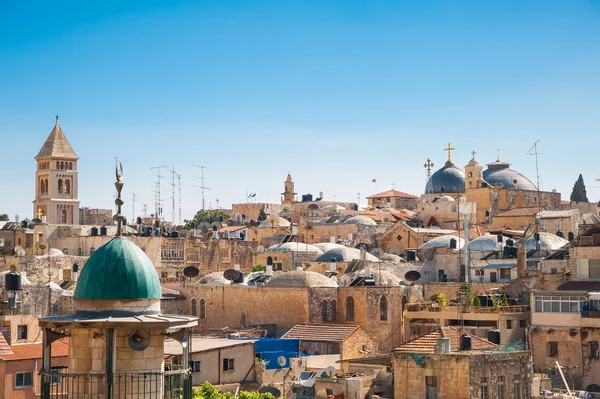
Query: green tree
{"type": "Point", "coordinates": [3, 217]}
{"type": "Point", "coordinates": [258, 268]}
{"type": "Point", "coordinates": [579, 194]}
{"type": "Point", "coordinates": [441, 299]}
{"type": "Point", "coordinates": [206, 216]}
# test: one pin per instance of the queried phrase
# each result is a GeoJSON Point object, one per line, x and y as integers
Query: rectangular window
{"type": "Point", "coordinates": [196, 366]}
{"type": "Point", "coordinates": [57, 379]}
{"type": "Point", "coordinates": [594, 268]}
{"type": "Point", "coordinates": [24, 379]}
{"type": "Point", "coordinates": [594, 350]}
{"type": "Point", "coordinates": [505, 274]}
{"type": "Point", "coordinates": [484, 388]}
{"type": "Point", "coordinates": [22, 332]}
{"type": "Point", "coordinates": [517, 387]}
{"type": "Point", "coordinates": [228, 364]}
{"type": "Point", "coordinates": [500, 387]}
{"type": "Point", "coordinates": [523, 323]}
{"type": "Point", "coordinates": [553, 349]}
{"type": "Point", "coordinates": [431, 387]}
{"type": "Point", "coordinates": [509, 324]}
{"type": "Point", "coordinates": [559, 304]}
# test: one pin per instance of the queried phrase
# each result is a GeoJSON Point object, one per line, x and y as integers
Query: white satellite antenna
{"type": "Point", "coordinates": [330, 371]}
{"type": "Point", "coordinates": [20, 251]}
{"type": "Point", "coordinates": [260, 249]}
{"type": "Point", "coordinates": [345, 280]}
{"type": "Point", "coordinates": [281, 361]}
{"type": "Point", "coordinates": [377, 252]}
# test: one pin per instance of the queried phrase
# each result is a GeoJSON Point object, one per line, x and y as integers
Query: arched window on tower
{"type": "Point", "coordinates": [42, 190]}
{"type": "Point", "coordinates": [202, 309]}
{"type": "Point", "coordinates": [350, 309]}
{"type": "Point", "coordinates": [70, 165]}
{"type": "Point", "coordinates": [383, 308]}
{"type": "Point", "coordinates": [60, 185]}
{"type": "Point", "coordinates": [46, 186]}
{"type": "Point", "coordinates": [68, 186]}
{"type": "Point", "coordinates": [64, 216]}
{"type": "Point", "coordinates": [194, 305]}
{"type": "Point", "coordinates": [57, 165]}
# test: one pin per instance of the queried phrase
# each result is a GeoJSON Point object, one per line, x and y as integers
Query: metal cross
{"type": "Point", "coordinates": [393, 185]}
{"type": "Point", "coordinates": [473, 153]}
{"type": "Point", "coordinates": [449, 149]}
{"type": "Point", "coordinates": [428, 165]}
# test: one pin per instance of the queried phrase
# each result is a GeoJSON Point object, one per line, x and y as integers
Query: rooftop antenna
{"type": "Point", "coordinates": [202, 186]}
{"type": "Point", "coordinates": [173, 174]}
{"type": "Point", "coordinates": [133, 206]}
{"type": "Point", "coordinates": [537, 170]}
{"type": "Point", "coordinates": [145, 210]}
{"type": "Point", "coordinates": [157, 199]}
{"type": "Point", "coordinates": [119, 218]}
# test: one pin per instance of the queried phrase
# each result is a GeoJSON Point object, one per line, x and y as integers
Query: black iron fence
{"type": "Point", "coordinates": [172, 384]}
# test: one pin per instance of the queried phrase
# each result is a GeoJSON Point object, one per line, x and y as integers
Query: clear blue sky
{"type": "Point", "coordinates": [337, 92]}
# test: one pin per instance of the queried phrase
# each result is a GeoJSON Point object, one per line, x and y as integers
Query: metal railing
{"type": "Point", "coordinates": [173, 384]}
{"type": "Point", "coordinates": [424, 307]}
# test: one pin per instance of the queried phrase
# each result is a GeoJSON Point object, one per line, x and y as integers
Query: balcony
{"type": "Point", "coordinates": [172, 384]}
{"type": "Point", "coordinates": [433, 307]}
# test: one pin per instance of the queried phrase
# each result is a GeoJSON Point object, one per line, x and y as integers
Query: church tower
{"type": "Point", "coordinates": [288, 191]}
{"type": "Point", "coordinates": [473, 174]}
{"type": "Point", "coordinates": [56, 195]}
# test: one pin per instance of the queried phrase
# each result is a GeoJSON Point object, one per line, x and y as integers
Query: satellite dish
{"type": "Point", "coordinates": [412, 276]}
{"type": "Point", "coordinates": [191, 271]}
{"type": "Point", "coordinates": [42, 245]}
{"type": "Point", "coordinates": [330, 372]}
{"type": "Point", "coordinates": [377, 252]}
{"type": "Point", "coordinates": [20, 251]}
{"type": "Point", "coordinates": [184, 233]}
{"type": "Point", "coordinates": [139, 340]}
{"type": "Point", "coordinates": [272, 390]}
{"type": "Point", "coordinates": [345, 280]}
{"type": "Point", "coordinates": [260, 249]}
{"type": "Point", "coordinates": [231, 274]}
{"type": "Point", "coordinates": [204, 226]}
{"type": "Point", "coordinates": [281, 361]}
{"type": "Point", "coordinates": [334, 278]}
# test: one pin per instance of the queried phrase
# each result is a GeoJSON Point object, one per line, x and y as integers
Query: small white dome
{"type": "Point", "coordinates": [446, 198]}
{"type": "Point", "coordinates": [294, 247]}
{"type": "Point", "coordinates": [364, 220]}
{"type": "Point", "coordinates": [443, 242]}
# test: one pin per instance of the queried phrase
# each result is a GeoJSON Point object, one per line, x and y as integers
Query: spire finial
{"type": "Point", "coordinates": [428, 165]}
{"type": "Point", "coordinates": [449, 149]}
{"type": "Point", "coordinates": [119, 218]}
{"type": "Point", "coordinates": [473, 153]}
{"type": "Point", "coordinates": [498, 160]}
{"type": "Point", "coordinates": [56, 118]}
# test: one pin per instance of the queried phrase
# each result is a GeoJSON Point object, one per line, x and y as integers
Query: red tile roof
{"type": "Point", "coordinates": [426, 343]}
{"type": "Point", "coordinates": [34, 350]}
{"type": "Point", "coordinates": [392, 193]}
{"type": "Point", "coordinates": [529, 211]}
{"type": "Point", "coordinates": [320, 332]}
{"type": "Point", "coordinates": [231, 228]}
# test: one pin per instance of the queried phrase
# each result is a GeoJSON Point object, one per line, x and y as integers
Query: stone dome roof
{"type": "Point", "coordinates": [299, 278]}
{"type": "Point", "coordinates": [275, 221]}
{"type": "Point", "coordinates": [294, 247]}
{"type": "Point", "coordinates": [487, 242]}
{"type": "Point", "coordinates": [446, 198]}
{"type": "Point", "coordinates": [359, 219]}
{"type": "Point", "coordinates": [448, 179]}
{"type": "Point", "coordinates": [443, 242]}
{"type": "Point", "coordinates": [548, 242]}
{"type": "Point", "coordinates": [326, 246]}
{"type": "Point", "coordinates": [118, 270]}
{"type": "Point", "coordinates": [392, 258]}
{"type": "Point", "coordinates": [214, 278]}
{"type": "Point", "coordinates": [344, 254]}
{"type": "Point", "coordinates": [499, 173]}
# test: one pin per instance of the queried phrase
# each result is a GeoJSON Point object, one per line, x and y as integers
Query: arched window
{"type": "Point", "coordinates": [66, 251]}
{"type": "Point", "coordinates": [68, 186]}
{"type": "Point", "coordinates": [62, 165]}
{"type": "Point", "coordinates": [57, 165]}
{"type": "Point", "coordinates": [333, 310]}
{"type": "Point", "coordinates": [64, 216]}
{"type": "Point", "coordinates": [383, 308]}
{"type": "Point", "coordinates": [92, 250]}
{"type": "Point", "coordinates": [349, 309]}
{"type": "Point", "coordinates": [324, 311]}
{"type": "Point", "coordinates": [404, 302]}
{"type": "Point", "coordinates": [70, 165]}
{"type": "Point", "coordinates": [60, 185]}
{"type": "Point", "coordinates": [46, 186]}
{"type": "Point", "coordinates": [202, 309]}
{"type": "Point", "coordinates": [194, 306]}
{"type": "Point", "coordinates": [42, 191]}
{"type": "Point", "coordinates": [269, 261]}
{"type": "Point", "coordinates": [79, 251]}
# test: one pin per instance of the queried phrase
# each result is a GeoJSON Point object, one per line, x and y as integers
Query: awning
{"type": "Point", "coordinates": [502, 266]}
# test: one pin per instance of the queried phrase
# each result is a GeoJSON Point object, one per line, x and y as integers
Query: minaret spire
{"type": "Point", "coordinates": [119, 217]}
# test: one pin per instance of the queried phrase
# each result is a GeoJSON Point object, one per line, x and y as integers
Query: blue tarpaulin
{"type": "Point", "coordinates": [269, 350]}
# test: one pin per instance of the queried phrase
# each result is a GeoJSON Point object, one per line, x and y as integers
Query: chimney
{"type": "Point", "coordinates": [332, 267]}
{"type": "Point", "coordinates": [269, 271]}
{"type": "Point", "coordinates": [236, 267]}
{"type": "Point", "coordinates": [522, 257]}
{"type": "Point", "coordinates": [367, 270]}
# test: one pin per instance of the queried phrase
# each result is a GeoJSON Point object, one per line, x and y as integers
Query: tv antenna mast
{"type": "Point", "coordinates": [157, 199]}
{"type": "Point", "coordinates": [173, 175]}
{"type": "Point", "coordinates": [537, 169]}
{"type": "Point", "coordinates": [202, 186]}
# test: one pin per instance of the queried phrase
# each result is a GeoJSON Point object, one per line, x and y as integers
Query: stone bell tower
{"type": "Point", "coordinates": [56, 181]}
{"type": "Point", "coordinates": [473, 174]}
{"type": "Point", "coordinates": [288, 191]}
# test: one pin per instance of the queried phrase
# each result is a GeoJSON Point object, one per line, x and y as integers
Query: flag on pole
{"type": "Point", "coordinates": [374, 180]}
{"type": "Point", "coordinates": [253, 195]}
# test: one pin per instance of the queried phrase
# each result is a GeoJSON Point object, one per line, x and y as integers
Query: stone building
{"type": "Point", "coordinates": [308, 298]}
{"type": "Point", "coordinates": [393, 199]}
{"type": "Point", "coordinates": [288, 196]}
{"type": "Point", "coordinates": [480, 372]}
{"type": "Point", "coordinates": [56, 180]}
{"type": "Point", "coordinates": [95, 217]}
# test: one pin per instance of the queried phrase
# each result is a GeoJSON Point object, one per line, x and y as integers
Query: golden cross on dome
{"type": "Point", "coordinates": [449, 149]}
{"type": "Point", "coordinates": [428, 165]}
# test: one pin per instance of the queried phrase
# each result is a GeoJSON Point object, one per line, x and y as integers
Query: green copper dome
{"type": "Point", "coordinates": [118, 270]}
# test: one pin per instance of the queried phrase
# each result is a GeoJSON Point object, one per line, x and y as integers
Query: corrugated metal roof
{"type": "Point", "coordinates": [320, 332]}
{"type": "Point", "coordinates": [426, 343]}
